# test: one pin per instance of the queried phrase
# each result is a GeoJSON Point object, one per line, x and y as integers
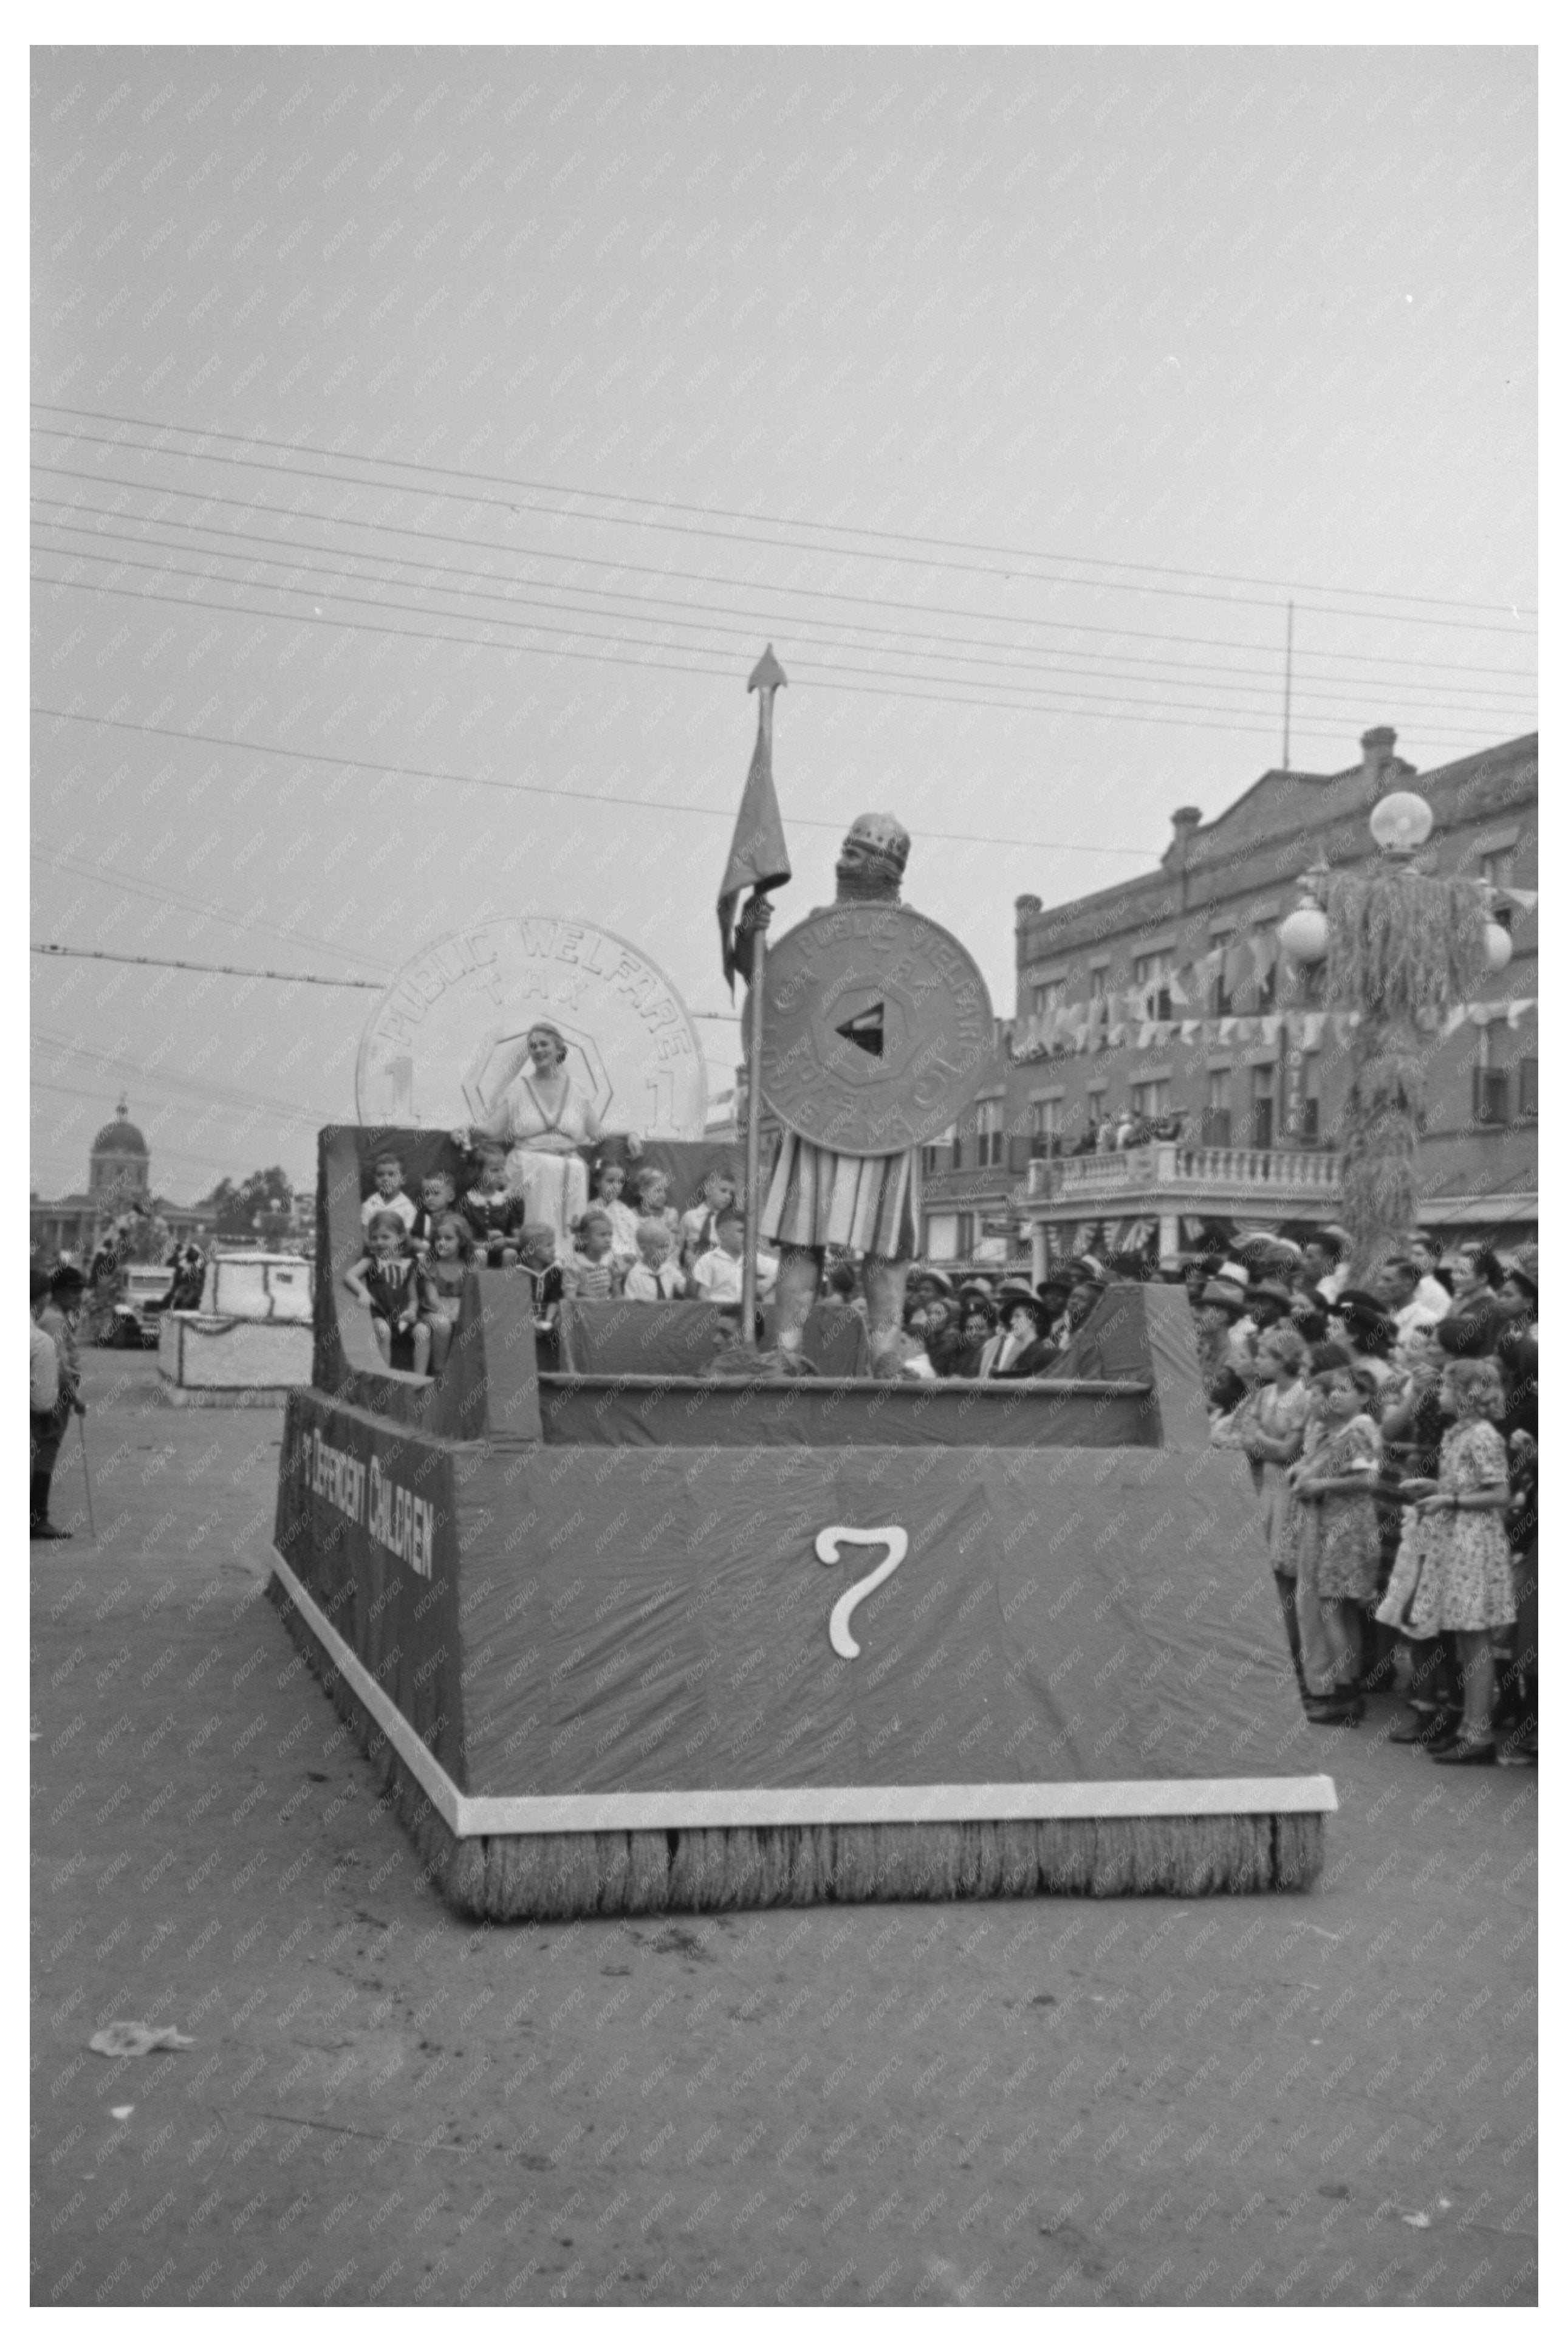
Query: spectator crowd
{"type": "Point", "coordinates": [1389, 1430]}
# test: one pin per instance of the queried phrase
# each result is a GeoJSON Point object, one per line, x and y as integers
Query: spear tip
{"type": "Point", "coordinates": [767, 673]}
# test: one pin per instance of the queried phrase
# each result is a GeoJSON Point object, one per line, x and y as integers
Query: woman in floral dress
{"type": "Point", "coordinates": [1454, 1574]}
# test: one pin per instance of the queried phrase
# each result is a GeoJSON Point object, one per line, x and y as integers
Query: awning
{"type": "Point", "coordinates": [1483, 1209]}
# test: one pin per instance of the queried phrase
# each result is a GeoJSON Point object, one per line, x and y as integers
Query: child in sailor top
{"type": "Point", "coordinates": [386, 1281]}
{"type": "Point", "coordinates": [546, 1279]}
{"type": "Point", "coordinates": [491, 1209]}
{"type": "Point", "coordinates": [387, 1170]}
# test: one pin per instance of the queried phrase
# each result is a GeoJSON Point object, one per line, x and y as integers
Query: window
{"type": "Point", "coordinates": [1262, 1107]}
{"type": "Point", "coordinates": [988, 1140]}
{"type": "Point", "coordinates": [1217, 1109]}
{"type": "Point", "coordinates": [1529, 1083]}
{"type": "Point", "coordinates": [1496, 866]}
{"type": "Point", "coordinates": [1490, 1107]}
{"type": "Point", "coordinates": [966, 1233]}
{"type": "Point", "coordinates": [1099, 983]}
{"type": "Point", "coordinates": [1152, 973]}
{"type": "Point", "coordinates": [1309, 1129]}
{"type": "Point", "coordinates": [1220, 987]}
{"type": "Point", "coordinates": [1048, 996]}
{"type": "Point", "coordinates": [1045, 1117]}
{"type": "Point", "coordinates": [1151, 1097]}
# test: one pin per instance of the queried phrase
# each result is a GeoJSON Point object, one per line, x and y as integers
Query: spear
{"type": "Point", "coordinates": [758, 857]}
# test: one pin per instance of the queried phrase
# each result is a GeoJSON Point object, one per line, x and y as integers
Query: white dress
{"type": "Point", "coordinates": [543, 1162]}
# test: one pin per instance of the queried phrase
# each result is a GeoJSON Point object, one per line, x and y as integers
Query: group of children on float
{"type": "Point", "coordinates": [416, 1255]}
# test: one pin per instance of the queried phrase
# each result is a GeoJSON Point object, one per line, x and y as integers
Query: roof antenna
{"type": "Point", "coordinates": [1289, 636]}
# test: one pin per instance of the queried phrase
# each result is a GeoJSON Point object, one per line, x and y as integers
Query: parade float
{"type": "Point", "coordinates": [251, 1340]}
{"type": "Point", "coordinates": [663, 1624]}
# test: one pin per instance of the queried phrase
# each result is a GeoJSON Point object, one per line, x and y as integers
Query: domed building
{"type": "Point", "coordinates": [119, 1161]}
{"type": "Point", "coordinates": [119, 1183]}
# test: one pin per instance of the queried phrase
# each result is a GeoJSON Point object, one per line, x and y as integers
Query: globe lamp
{"type": "Point", "coordinates": [1304, 934]}
{"type": "Point", "coordinates": [1499, 947]}
{"type": "Point", "coordinates": [1401, 823]}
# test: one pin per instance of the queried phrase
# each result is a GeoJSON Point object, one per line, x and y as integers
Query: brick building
{"type": "Point", "coordinates": [1167, 998]}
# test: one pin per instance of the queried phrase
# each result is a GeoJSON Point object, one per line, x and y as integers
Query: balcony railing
{"type": "Point", "coordinates": [1187, 1168]}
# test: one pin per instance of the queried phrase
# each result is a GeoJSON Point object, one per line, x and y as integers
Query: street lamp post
{"type": "Point", "coordinates": [1398, 947]}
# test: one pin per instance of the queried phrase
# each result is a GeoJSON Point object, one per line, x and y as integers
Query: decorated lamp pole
{"type": "Point", "coordinates": [1397, 946]}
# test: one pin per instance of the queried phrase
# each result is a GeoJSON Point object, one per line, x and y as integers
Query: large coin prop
{"type": "Point", "coordinates": [450, 1033]}
{"type": "Point", "coordinates": [876, 1029]}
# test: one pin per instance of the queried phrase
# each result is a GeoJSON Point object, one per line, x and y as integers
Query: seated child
{"type": "Point", "coordinates": [441, 1279]}
{"type": "Point", "coordinates": [387, 1169]}
{"type": "Point", "coordinates": [717, 1273]}
{"type": "Point", "coordinates": [610, 1195]}
{"type": "Point", "coordinates": [655, 1274]}
{"type": "Point", "coordinates": [592, 1273]}
{"type": "Point", "coordinates": [653, 1190]}
{"type": "Point", "coordinates": [437, 1198]}
{"type": "Point", "coordinates": [697, 1225]}
{"type": "Point", "coordinates": [491, 1209]}
{"type": "Point", "coordinates": [386, 1281]}
{"type": "Point", "coordinates": [546, 1279]}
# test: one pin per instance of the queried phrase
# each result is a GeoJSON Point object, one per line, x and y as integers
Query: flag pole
{"type": "Point", "coordinates": [765, 679]}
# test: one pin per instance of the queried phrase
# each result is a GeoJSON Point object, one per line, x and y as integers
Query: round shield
{"type": "Point", "coordinates": [450, 1033]}
{"type": "Point", "coordinates": [876, 1029]}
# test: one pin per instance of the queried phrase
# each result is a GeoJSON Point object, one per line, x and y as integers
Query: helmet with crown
{"type": "Point", "coordinates": [880, 832]}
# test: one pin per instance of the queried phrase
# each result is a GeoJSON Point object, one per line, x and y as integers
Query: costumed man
{"type": "Point", "coordinates": [818, 1196]}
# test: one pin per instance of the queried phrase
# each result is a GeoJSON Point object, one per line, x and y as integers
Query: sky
{"type": "Point", "coordinates": [393, 408]}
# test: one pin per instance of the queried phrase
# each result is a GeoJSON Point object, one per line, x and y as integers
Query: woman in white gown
{"type": "Point", "coordinates": [544, 1121]}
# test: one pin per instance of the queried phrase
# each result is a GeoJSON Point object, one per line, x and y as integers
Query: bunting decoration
{"type": "Point", "coordinates": [1245, 964]}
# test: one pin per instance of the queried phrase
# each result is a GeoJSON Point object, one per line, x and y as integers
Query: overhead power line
{"type": "Point", "coordinates": [502, 784]}
{"type": "Point", "coordinates": [179, 963]}
{"type": "Point", "coordinates": [988, 654]}
{"type": "Point", "coordinates": [824, 673]}
{"type": "Point", "coordinates": [1161, 702]}
{"type": "Point", "coordinates": [893, 540]}
{"type": "Point", "coordinates": [244, 970]}
{"type": "Point", "coordinates": [715, 579]}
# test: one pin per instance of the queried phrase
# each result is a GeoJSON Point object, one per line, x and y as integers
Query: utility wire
{"type": "Point", "coordinates": [711, 579]}
{"type": "Point", "coordinates": [188, 903]}
{"type": "Point", "coordinates": [895, 539]}
{"type": "Point", "coordinates": [501, 785]}
{"type": "Point", "coordinates": [827, 674]}
{"type": "Point", "coordinates": [313, 562]}
{"type": "Point", "coordinates": [1161, 701]}
{"type": "Point", "coordinates": [245, 970]}
{"type": "Point", "coordinates": [177, 963]}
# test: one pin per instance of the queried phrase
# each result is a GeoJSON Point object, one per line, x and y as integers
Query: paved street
{"type": "Point", "coordinates": [1323, 2099]}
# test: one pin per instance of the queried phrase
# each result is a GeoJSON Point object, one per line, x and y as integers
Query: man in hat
{"type": "Point", "coordinates": [818, 1196]}
{"type": "Point", "coordinates": [55, 1316]}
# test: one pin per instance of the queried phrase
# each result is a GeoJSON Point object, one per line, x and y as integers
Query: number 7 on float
{"type": "Point", "coordinates": [828, 1542]}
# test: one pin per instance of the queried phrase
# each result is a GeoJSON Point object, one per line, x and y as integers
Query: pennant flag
{"type": "Point", "coordinates": [759, 859]}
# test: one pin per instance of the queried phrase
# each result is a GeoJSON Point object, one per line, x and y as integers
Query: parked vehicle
{"type": "Point", "coordinates": [133, 1313]}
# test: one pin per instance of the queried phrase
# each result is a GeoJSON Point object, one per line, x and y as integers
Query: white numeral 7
{"type": "Point", "coordinates": [828, 1542]}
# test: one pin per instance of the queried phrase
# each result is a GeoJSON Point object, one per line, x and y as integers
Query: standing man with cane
{"type": "Point", "coordinates": [49, 1410]}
